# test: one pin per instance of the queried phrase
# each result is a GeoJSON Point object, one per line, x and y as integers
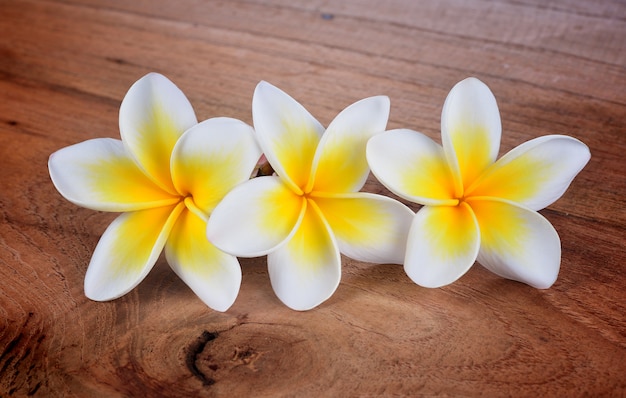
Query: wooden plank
{"type": "Point", "coordinates": [558, 68]}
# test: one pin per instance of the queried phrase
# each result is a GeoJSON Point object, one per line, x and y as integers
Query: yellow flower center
{"type": "Point", "coordinates": [192, 207]}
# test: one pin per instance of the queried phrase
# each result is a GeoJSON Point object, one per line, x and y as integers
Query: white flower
{"type": "Point", "coordinates": [166, 175]}
{"type": "Point", "coordinates": [475, 207]}
{"type": "Point", "coordinates": [311, 210]}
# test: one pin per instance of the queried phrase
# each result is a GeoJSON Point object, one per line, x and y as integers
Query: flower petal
{"type": "Point", "coordinates": [306, 270]}
{"type": "Point", "coordinates": [255, 217]}
{"type": "Point", "coordinates": [340, 164]}
{"type": "Point", "coordinates": [127, 251]}
{"type": "Point", "coordinates": [212, 274]}
{"type": "Point", "coordinates": [99, 174]}
{"type": "Point", "coordinates": [412, 166]}
{"type": "Point", "coordinates": [536, 173]}
{"type": "Point", "coordinates": [287, 133]}
{"type": "Point", "coordinates": [470, 130]}
{"type": "Point", "coordinates": [153, 115]}
{"type": "Point", "coordinates": [368, 227]}
{"type": "Point", "coordinates": [211, 158]}
{"type": "Point", "coordinates": [517, 243]}
{"type": "Point", "coordinates": [443, 244]}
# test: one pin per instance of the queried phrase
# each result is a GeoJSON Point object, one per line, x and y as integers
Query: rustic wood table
{"type": "Point", "coordinates": [556, 67]}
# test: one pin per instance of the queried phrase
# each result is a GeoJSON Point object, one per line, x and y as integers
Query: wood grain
{"type": "Point", "coordinates": [556, 68]}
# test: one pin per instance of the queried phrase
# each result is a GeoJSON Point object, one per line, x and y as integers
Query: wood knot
{"type": "Point", "coordinates": [195, 349]}
{"type": "Point", "coordinates": [253, 352]}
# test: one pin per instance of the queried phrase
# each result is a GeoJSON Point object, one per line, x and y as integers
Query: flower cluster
{"type": "Point", "coordinates": [191, 190]}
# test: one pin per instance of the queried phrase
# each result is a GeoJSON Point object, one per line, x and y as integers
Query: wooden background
{"type": "Point", "coordinates": [555, 67]}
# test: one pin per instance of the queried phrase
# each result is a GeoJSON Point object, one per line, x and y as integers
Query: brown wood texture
{"type": "Point", "coordinates": [556, 67]}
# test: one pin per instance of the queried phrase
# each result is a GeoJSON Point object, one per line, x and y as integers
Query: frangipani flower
{"type": "Point", "coordinates": [475, 208]}
{"type": "Point", "coordinates": [166, 183]}
{"type": "Point", "coordinates": [311, 210]}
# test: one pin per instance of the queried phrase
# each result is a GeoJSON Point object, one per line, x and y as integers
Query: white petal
{"type": "Point", "coordinates": [153, 115]}
{"type": "Point", "coordinates": [340, 164]}
{"type": "Point", "coordinates": [306, 271]}
{"type": "Point", "coordinates": [517, 243]}
{"type": "Point", "coordinates": [368, 227]}
{"type": "Point", "coordinates": [470, 130]}
{"type": "Point", "coordinates": [442, 246]}
{"type": "Point", "coordinates": [213, 157]}
{"type": "Point", "coordinates": [536, 173]}
{"type": "Point", "coordinates": [412, 166]}
{"type": "Point", "coordinates": [287, 133]}
{"type": "Point", "coordinates": [212, 274]}
{"type": "Point", "coordinates": [255, 217]}
{"type": "Point", "coordinates": [99, 174]}
{"type": "Point", "coordinates": [127, 251]}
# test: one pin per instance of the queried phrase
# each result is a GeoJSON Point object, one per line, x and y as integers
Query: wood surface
{"type": "Point", "coordinates": [555, 67]}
